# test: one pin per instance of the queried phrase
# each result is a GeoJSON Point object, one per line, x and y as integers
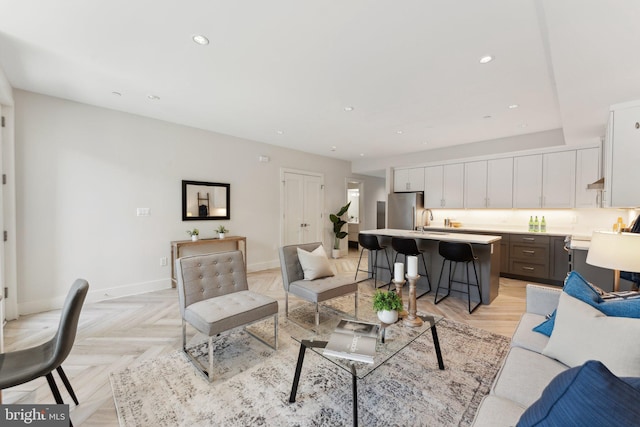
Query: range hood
{"type": "Point", "coordinates": [598, 185]}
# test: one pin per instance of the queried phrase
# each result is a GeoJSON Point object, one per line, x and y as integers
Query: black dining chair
{"type": "Point", "coordinates": [21, 366]}
{"type": "Point", "coordinates": [455, 252]}
{"type": "Point", "coordinates": [409, 247]}
{"type": "Point", "coordinates": [371, 243]}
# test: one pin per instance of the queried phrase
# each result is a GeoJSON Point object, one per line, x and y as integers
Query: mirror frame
{"type": "Point", "coordinates": [185, 190]}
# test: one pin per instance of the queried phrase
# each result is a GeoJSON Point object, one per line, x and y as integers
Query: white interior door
{"type": "Point", "coordinates": [302, 207]}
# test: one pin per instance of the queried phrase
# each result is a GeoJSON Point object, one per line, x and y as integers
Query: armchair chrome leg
{"type": "Point", "coordinates": [275, 330]}
{"type": "Point", "coordinates": [210, 373]}
{"type": "Point", "coordinates": [356, 303]}
{"type": "Point", "coordinates": [184, 335]}
{"type": "Point", "coordinates": [286, 304]}
{"type": "Point", "coordinates": [317, 315]}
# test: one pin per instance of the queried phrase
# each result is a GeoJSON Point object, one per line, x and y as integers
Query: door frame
{"type": "Point", "coordinates": [362, 215]}
{"type": "Point", "coordinates": [284, 170]}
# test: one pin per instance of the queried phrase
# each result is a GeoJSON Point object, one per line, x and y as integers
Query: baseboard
{"type": "Point", "coordinates": [95, 295]}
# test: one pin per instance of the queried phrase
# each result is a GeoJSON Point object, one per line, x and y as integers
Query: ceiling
{"type": "Point", "coordinates": [283, 71]}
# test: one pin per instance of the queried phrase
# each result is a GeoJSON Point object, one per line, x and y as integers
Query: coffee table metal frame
{"type": "Point", "coordinates": [350, 366]}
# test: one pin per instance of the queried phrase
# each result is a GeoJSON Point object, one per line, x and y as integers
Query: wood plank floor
{"type": "Point", "coordinates": [116, 333]}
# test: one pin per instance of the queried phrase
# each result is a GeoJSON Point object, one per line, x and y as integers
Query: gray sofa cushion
{"type": "Point", "coordinates": [496, 411]}
{"type": "Point", "coordinates": [324, 289]}
{"type": "Point", "coordinates": [225, 312]}
{"type": "Point", "coordinates": [525, 337]}
{"type": "Point", "coordinates": [524, 376]}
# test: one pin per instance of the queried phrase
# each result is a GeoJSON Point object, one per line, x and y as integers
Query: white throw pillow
{"type": "Point", "coordinates": [583, 333]}
{"type": "Point", "coordinates": [315, 265]}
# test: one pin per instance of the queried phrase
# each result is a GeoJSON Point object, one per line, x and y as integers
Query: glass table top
{"type": "Point", "coordinates": [396, 337]}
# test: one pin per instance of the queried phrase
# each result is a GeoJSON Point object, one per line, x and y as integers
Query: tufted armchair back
{"type": "Point", "coordinates": [290, 264]}
{"type": "Point", "coordinates": [201, 277]}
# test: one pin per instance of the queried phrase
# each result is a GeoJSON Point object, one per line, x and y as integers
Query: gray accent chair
{"type": "Point", "coordinates": [315, 291]}
{"type": "Point", "coordinates": [19, 367]}
{"type": "Point", "coordinates": [214, 297]}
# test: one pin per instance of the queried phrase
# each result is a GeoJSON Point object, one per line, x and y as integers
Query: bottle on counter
{"type": "Point", "coordinates": [536, 224]}
{"type": "Point", "coordinates": [531, 223]}
{"type": "Point", "coordinates": [543, 225]}
{"type": "Point", "coordinates": [618, 226]}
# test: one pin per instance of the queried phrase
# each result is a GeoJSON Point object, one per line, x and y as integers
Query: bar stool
{"type": "Point", "coordinates": [409, 247]}
{"type": "Point", "coordinates": [458, 252]}
{"type": "Point", "coordinates": [371, 243]}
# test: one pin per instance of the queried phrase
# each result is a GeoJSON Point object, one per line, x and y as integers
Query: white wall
{"type": "Point", "coordinates": [82, 171]}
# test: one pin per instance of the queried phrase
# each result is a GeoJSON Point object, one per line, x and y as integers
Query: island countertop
{"type": "Point", "coordinates": [482, 239]}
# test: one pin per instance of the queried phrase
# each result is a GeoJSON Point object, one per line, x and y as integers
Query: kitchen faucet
{"type": "Point", "coordinates": [429, 219]}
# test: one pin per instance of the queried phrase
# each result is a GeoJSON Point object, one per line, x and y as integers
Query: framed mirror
{"type": "Point", "coordinates": [205, 200]}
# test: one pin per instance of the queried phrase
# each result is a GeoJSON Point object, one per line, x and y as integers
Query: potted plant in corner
{"type": "Point", "coordinates": [194, 234]}
{"type": "Point", "coordinates": [338, 223]}
{"type": "Point", "coordinates": [221, 230]}
{"type": "Point", "coordinates": [387, 304]}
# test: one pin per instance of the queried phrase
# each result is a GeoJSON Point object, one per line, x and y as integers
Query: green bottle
{"type": "Point", "coordinates": [531, 223]}
{"type": "Point", "coordinates": [543, 225]}
{"type": "Point", "coordinates": [536, 224]}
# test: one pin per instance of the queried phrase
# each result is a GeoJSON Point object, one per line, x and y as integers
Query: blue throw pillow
{"type": "Point", "coordinates": [577, 287]}
{"type": "Point", "coordinates": [587, 395]}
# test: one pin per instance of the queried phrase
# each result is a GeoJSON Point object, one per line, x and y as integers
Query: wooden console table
{"type": "Point", "coordinates": [181, 248]}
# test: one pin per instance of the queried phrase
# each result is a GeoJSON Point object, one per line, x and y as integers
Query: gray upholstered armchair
{"type": "Point", "coordinates": [215, 297]}
{"type": "Point", "coordinates": [317, 290]}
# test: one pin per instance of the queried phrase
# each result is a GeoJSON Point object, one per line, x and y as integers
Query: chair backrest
{"type": "Point", "coordinates": [290, 264]}
{"type": "Point", "coordinates": [456, 251]}
{"type": "Point", "coordinates": [405, 246]}
{"type": "Point", "coordinates": [201, 277]}
{"type": "Point", "coordinates": [66, 335]}
{"type": "Point", "coordinates": [369, 242]}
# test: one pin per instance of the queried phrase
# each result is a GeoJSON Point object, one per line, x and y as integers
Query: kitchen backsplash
{"type": "Point", "coordinates": [563, 221]}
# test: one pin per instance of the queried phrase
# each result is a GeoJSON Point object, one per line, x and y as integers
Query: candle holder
{"type": "Point", "coordinates": [412, 319]}
{"type": "Point", "coordinates": [399, 285]}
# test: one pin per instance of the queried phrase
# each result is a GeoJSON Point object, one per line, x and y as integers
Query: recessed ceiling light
{"type": "Point", "coordinates": [523, 125]}
{"type": "Point", "coordinates": [153, 97]}
{"type": "Point", "coordinates": [348, 108]}
{"type": "Point", "coordinates": [333, 148]}
{"type": "Point", "coordinates": [361, 154]}
{"type": "Point", "coordinates": [425, 143]}
{"type": "Point", "coordinates": [486, 59]}
{"type": "Point", "coordinates": [279, 132]}
{"type": "Point", "coordinates": [512, 106]}
{"type": "Point", "coordinates": [200, 39]}
{"type": "Point", "coordinates": [486, 117]}
{"type": "Point", "coordinates": [399, 132]}
{"type": "Point", "coordinates": [116, 93]}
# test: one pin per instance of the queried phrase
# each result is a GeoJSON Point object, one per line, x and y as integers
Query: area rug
{"type": "Point", "coordinates": [252, 385]}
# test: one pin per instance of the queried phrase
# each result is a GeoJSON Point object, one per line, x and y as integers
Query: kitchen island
{"type": "Point", "coordinates": [485, 247]}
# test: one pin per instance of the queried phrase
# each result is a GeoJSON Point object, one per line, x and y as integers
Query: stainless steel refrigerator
{"type": "Point", "coordinates": [404, 210]}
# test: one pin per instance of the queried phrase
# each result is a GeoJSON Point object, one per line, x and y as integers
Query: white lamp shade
{"type": "Point", "coordinates": [615, 251]}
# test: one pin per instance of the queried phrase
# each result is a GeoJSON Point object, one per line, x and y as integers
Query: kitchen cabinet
{"type": "Point", "coordinates": [488, 183]}
{"type": "Point", "coordinates": [529, 255]}
{"type": "Point", "coordinates": [588, 170]}
{"type": "Point", "coordinates": [444, 186]}
{"type": "Point", "coordinates": [544, 180]}
{"type": "Point", "coordinates": [410, 179]}
{"type": "Point", "coordinates": [622, 156]}
{"type": "Point", "coordinates": [558, 259]}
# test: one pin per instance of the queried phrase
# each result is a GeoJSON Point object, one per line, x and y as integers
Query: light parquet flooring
{"type": "Point", "coordinates": [117, 333]}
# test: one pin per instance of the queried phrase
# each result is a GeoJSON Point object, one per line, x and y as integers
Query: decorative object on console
{"type": "Point", "coordinates": [338, 223]}
{"type": "Point", "coordinates": [387, 305]}
{"type": "Point", "coordinates": [194, 234]}
{"type": "Point", "coordinates": [221, 230]}
{"type": "Point", "coordinates": [616, 251]}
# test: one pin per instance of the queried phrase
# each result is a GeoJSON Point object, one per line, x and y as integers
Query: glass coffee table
{"type": "Point", "coordinates": [391, 340]}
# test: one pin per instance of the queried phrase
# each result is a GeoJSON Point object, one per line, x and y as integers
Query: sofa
{"type": "Point", "coordinates": [531, 373]}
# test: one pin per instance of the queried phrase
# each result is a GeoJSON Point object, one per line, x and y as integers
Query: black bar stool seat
{"type": "Point", "coordinates": [371, 243]}
{"type": "Point", "coordinates": [409, 247]}
{"type": "Point", "coordinates": [455, 252]}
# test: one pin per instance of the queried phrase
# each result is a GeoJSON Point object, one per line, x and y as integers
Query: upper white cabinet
{"type": "Point", "coordinates": [622, 155]}
{"type": "Point", "coordinates": [411, 179]}
{"type": "Point", "coordinates": [545, 180]}
{"type": "Point", "coordinates": [488, 183]}
{"type": "Point", "coordinates": [444, 186]}
{"type": "Point", "coordinates": [588, 171]}
{"type": "Point", "coordinates": [527, 181]}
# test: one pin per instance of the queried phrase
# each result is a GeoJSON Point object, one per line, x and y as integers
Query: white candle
{"type": "Point", "coordinates": [412, 266]}
{"type": "Point", "coordinates": [398, 272]}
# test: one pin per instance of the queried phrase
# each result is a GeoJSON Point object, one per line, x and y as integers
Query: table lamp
{"type": "Point", "coordinates": [616, 251]}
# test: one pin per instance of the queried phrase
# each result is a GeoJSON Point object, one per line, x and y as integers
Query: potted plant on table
{"type": "Point", "coordinates": [387, 304]}
{"type": "Point", "coordinates": [221, 230]}
{"type": "Point", "coordinates": [194, 234]}
{"type": "Point", "coordinates": [338, 223]}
